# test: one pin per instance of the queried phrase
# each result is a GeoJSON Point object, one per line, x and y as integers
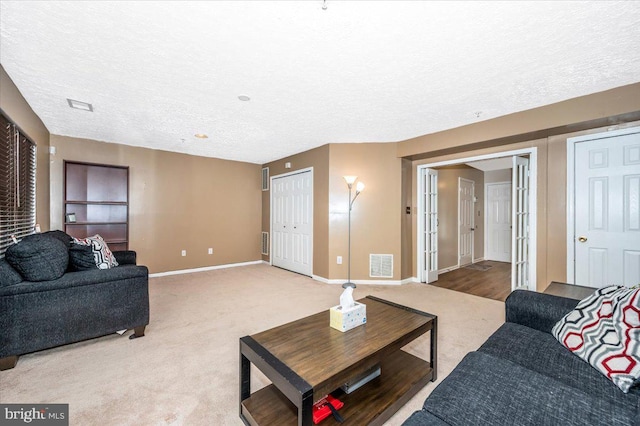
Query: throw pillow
{"type": "Point", "coordinates": [102, 256]}
{"type": "Point", "coordinates": [39, 257]}
{"type": "Point", "coordinates": [81, 258]}
{"type": "Point", "coordinates": [604, 330]}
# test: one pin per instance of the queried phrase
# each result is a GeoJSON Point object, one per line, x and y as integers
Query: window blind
{"type": "Point", "coordinates": [17, 184]}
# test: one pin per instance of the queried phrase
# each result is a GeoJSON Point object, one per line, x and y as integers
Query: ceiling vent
{"type": "Point", "coordinates": [80, 105]}
{"type": "Point", "coordinates": [381, 265]}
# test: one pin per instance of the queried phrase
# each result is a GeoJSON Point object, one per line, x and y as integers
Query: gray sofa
{"type": "Point", "coordinates": [522, 376]}
{"type": "Point", "coordinates": [79, 305]}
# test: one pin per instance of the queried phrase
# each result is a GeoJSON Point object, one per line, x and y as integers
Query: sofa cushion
{"type": "Point", "coordinates": [487, 390]}
{"type": "Point", "coordinates": [8, 275]}
{"type": "Point", "coordinates": [540, 352]}
{"type": "Point", "coordinates": [81, 258]}
{"type": "Point", "coordinates": [604, 330]}
{"type": "Point", "coordinates": [39, 257]}
{"type": "Point", "coordinates": [103, 257]}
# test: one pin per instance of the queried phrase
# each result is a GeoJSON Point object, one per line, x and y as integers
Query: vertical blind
{"type": "Point", "coordinates": [17, 184]}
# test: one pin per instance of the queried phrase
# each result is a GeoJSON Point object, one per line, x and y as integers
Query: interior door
{"type": "Point", "coordinates": [520, 223]}
{"type": "Point", "coordinates": [466, 195]}
{"type": "Point", "coordinates": [607, 211]}
{"type": "Point", "coordinates": [291, 222]}
{"type": "Point", "coordinates": [498, 222]}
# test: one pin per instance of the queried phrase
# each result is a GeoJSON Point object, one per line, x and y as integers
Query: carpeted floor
{"type": "Point", "coordinates": [185, 370]}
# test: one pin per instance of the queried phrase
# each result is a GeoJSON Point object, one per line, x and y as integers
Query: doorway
{"type": "Point", "coordinates": [523, 165]}
{"type": "Point", "coordinates": [603, 209]}
{"type": "Point", "coordinates": [292, 221]}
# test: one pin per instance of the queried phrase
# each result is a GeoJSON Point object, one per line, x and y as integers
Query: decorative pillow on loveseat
{"type": "Point", "coordinates": [102, 256]}
{"type": "Point", "coordinates": [81, 258]}
{"type": "Point", "coordinates": [604, 330]}
{"type": "Point", "coordinates": [39, 257]}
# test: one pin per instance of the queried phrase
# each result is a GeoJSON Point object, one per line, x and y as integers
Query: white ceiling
{"type": "Point", "coordinates": [492, 164]}
{"type": "Point", "coordinates": [360, 71]}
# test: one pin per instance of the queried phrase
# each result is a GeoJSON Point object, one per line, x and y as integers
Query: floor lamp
{"type": "Point", "coordinates": [359, 187]}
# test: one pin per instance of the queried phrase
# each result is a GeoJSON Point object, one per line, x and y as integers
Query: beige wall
{"type": "Point", "coordinates": [177, 202]}
{"type": "Point", "coordinates": [448, 213]}
{"type": "Point", "coordinates": [16, 108]}
{"type": "Point", "coordinates": [376, 213]}
{"type": "Point", "coordinates": [495, 176]}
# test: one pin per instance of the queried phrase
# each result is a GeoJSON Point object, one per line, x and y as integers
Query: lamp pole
{"type": "Point", "coordinates": [350, 181]}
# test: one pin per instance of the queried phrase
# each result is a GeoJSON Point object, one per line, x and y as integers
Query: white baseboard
{"type": "Point", "coordinates": [449, 269]}
{"type": "Point", "coordinates": [365, 282]}
{"type": "Point", "coordinates": [480, 259]}
{"type": "Point", "coordinates": [206, 268]}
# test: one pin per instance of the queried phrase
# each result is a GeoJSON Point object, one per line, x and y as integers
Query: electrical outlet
{"type": "Point", "coordinates": [184, 252]}
{"type": "Point", "coordinates": [210, 250]}
{"type": "Point", "coordinates": [339, 260]}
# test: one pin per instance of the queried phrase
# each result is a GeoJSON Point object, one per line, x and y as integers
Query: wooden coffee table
{"type": "Point", "coordinates": [306, 360]}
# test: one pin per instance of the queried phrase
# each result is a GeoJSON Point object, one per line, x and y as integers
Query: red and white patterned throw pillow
{"type": "Point", "coordinates": [101, 254]}
{"type": "Point", "coordinates": [604, 330]}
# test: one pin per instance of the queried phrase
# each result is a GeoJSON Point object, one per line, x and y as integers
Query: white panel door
{"type": "Point", "coordinates": [291, 222]}
{"type": "Point", "coordinates": [607, 211]}
{"type": "Point", "coordinates": [429, 225]}
{"type": "Point", "coordinates": [498, 216]}
{"type": "Point", "coordinates": [466, 195]}
{"type": "Point", "coordinates": [520, 274]}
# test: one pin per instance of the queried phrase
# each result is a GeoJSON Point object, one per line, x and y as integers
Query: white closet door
{"type": "Point", "coordinates": [292, 222]}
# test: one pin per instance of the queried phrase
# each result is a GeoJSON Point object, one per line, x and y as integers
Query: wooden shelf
{"type": "Point", "coordinates": [402, 376]}
{"type": "Point", "coordinates": [94, 223]}
{"type": "Point", "coordinates": [101, 203]}
{"type": "Point", "coordinates": [98, 196]}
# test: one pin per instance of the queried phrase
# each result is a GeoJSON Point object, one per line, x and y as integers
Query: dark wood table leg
{"type": "Point", "coordinates": [245, 379]}
{"type": "Point", "coordinates": [434, 348]}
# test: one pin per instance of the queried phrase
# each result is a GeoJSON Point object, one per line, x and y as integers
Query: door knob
{"type": "Point", "coordinates": [582, 239]}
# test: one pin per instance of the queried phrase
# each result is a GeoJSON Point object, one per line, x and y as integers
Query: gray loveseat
{"type": "Point", "coordinates": [522, 376]}
{"type": "Point", "coordinates": [79, 305]}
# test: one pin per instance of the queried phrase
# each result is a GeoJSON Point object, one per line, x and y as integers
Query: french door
{"type": "Point", "coordinates": [520, 262]}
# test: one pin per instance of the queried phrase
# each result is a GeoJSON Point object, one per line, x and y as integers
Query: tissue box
{"type": "Point", "coordinates": [346, 319]}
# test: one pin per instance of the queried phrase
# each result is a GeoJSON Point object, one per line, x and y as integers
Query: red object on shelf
{"type": "Point", "coordinates": [321, 408]}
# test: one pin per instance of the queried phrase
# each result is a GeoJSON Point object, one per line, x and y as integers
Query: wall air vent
{"type": "Point", "coordinates": [265, 243]}
{"type": "Point", "coordinates": [381, 265]}
{"type": "Point", "coordinates": [265, 179]}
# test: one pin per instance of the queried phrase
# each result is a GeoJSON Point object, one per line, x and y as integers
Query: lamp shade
{"type": "Point", "coordinates": [359, 187]}
{"type": "Point", "coordinates": [350, 179]}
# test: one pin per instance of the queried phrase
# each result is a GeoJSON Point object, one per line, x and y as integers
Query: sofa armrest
{"type": "Point", "coordinates": [125, 257]}
{"type": "Point", "coordinates": [537, 310]}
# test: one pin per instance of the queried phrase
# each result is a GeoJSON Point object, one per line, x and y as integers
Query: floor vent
{"type": "Point", "coordinates": [265, 179]}
{"type": "Point", "coordinates": [265, 243]}
{"type": "Point", "coordinates": [381, 265]}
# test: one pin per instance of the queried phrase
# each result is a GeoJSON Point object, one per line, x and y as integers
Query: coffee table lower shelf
{"type": "Point", "coordinates": [402, 376]}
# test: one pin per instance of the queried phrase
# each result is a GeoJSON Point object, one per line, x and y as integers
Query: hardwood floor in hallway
{"type": "Point", "coordinates": [493, 283]}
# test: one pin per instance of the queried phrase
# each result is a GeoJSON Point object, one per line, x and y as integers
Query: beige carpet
{"type": "Point", "coordinates": [185, 370]}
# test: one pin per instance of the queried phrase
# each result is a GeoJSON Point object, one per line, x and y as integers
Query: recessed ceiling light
{"type": "Point", "coordinates": [201, 136]}
{"type": "Point", "coordinates": [244, 98]}
{"type": "Point", "coordinates": [80, 105]}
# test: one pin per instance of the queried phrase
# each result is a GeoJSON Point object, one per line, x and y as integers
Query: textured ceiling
{"type": "Point", "coordinates": [361, 71]}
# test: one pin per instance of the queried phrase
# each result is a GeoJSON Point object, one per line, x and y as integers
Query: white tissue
{"type": "Point", "coordinates": [346, 298]}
